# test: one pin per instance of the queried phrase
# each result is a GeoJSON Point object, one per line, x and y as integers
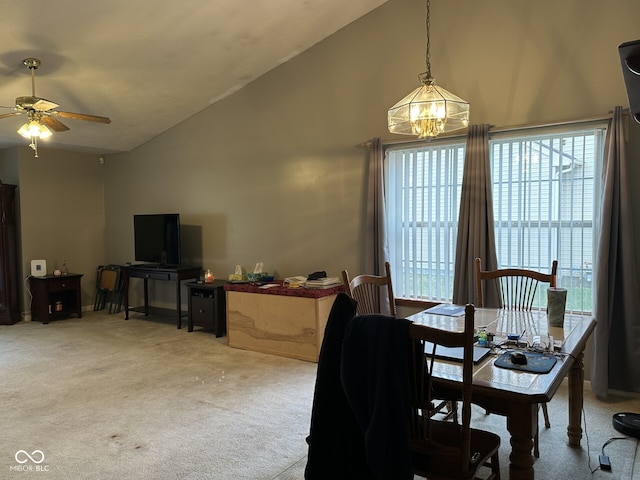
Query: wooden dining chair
{"type": "Point", "coordinates": [374, 293]}
{"type": "Point", "coordinates": [517, 288]}
{"type": "Point", "coordinates": [369, 292]}
{"type": "Point", "coordinates": [439, 449]}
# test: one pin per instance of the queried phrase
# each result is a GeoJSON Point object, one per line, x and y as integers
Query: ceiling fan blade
{"type": "Point", "coordinates": [6, 115]}
{"type": "Point", "coordinates": [53, 123]}
{"type": "Point", "coordinates": [81, 116]}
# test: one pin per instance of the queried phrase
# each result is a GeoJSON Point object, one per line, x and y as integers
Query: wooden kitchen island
{"type": "Point", "coordinates": [279, 320]}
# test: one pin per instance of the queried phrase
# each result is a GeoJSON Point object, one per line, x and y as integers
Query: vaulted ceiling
{"type": "Point", "coordinates": [149, 65]}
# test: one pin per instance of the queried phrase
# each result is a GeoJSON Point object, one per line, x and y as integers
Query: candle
{"type": "Point", "coordinates": [208, 276]}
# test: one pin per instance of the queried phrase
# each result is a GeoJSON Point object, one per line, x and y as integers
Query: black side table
{"type": "Point", "coordinates": [55, 297]}
{"type": "Point", "coordinates": [207, 306]}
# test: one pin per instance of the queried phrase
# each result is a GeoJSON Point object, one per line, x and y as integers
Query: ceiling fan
{"type": "Point", "coordinates": [41, 112]}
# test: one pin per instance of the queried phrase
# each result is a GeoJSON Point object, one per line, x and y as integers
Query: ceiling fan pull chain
{"type": "Point", "coordinates": [34, 146]}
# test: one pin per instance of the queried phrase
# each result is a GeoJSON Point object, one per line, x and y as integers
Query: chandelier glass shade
{"type": "Point", "coordinates": [428, 111]}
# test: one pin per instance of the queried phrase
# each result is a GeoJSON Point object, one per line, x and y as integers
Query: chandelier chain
{"type": "Point", "coordinates": [428, 25]}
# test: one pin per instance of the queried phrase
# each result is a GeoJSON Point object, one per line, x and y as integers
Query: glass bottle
{"type": "Point", "coordinates": [482, 337]}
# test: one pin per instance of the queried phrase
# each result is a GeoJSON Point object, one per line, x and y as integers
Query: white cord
{"type": "Point", "coordinates": [586, 436]}
{"type": "Point", "coordinates": [633, 461]}
{"type": "Point", "coordinates": [26, 287]}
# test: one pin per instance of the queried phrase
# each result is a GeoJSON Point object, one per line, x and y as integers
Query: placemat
{"type": "Point", "coordinates": [536, 362]}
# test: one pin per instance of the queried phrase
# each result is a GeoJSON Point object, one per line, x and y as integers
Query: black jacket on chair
{"type": "Point", "coordinates": [360, 410]}
{"type": "Point", "coordinates": [375, 378]}
{"type": "Point", "coordinates": [336, 443]}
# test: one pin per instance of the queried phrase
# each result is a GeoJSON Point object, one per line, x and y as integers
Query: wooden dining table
{"type": "Point", "coordinates": [513, 393]}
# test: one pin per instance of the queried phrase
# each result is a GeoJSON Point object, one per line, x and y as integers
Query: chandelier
{"type": "Point", "coordinates": [429, 110]}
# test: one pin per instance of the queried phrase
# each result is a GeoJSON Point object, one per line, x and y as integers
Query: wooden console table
{"type": "Point", "coordinates": [167, 274]}
{"type": "Point", "coordinates": [279, 320]}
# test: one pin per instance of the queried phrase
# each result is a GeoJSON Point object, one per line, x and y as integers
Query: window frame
{"type": "Point", "coordinates": [597, 127]}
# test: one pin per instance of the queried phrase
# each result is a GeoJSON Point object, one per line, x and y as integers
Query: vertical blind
{"type": "Point", "coordinates": [423, 199]}
{"type": "Point", "coordinates": [544, 191]}
{"type": "Point", "coordinates": [544, 195]}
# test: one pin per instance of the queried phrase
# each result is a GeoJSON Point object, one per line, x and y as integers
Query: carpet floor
{"type": "Point", "coordinates": [104, 398]}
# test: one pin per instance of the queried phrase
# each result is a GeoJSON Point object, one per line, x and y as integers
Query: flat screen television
{"type": "Point", "coordinates": [157, 238]}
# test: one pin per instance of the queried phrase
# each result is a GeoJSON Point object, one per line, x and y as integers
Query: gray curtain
{"type": "Point", "coordinates": [616, 340]}
{"type": "Point", "coordinates": [375, 246]}
{"type": "Point", "coordinates": [476, 235]}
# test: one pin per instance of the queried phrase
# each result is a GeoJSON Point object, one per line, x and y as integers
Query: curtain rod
{"type": "Point", "coordinates": [559, 123]}
{"type": "Point", "coordinates": [504, 129]}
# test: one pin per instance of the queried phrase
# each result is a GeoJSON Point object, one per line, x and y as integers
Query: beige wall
{"type": "Point", "coordinates": [61, 202]}
{"type": "Point", "coordinates": [274, 173]}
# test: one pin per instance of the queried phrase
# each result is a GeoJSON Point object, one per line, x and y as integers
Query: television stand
{"type": "Point", "coordinates": [161, 273]}
{"type": "Point", "coordinates": [157, 266]}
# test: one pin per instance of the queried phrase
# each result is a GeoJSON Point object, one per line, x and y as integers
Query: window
{"type": "Point", "coordinates": [544, 206]}
{"type": "Point", "coordinates": [422, 191]}
{"type": "Point", "coordinates": [544, 193]}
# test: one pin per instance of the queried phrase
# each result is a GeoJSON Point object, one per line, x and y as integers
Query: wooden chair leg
{"type": "Point", "coordinates": [547, 424]}
{"type": "Point", "coordinates": [494, 465]}
{"type": "Point", "coordinates": [454, 411]}
{"type": "Point", "coordinates": [546, 415]}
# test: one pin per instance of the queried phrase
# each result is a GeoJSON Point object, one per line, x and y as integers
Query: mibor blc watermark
{"type": "Point", "coordinates": [29, 462]}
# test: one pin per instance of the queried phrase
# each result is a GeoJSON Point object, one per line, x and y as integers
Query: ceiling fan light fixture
{"type": "Point", "coordinates": [429, 110]}
{"type": "Point", "coordinates": [35, 129]}
{"type": "Point", "coordinates": [43, 116]}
